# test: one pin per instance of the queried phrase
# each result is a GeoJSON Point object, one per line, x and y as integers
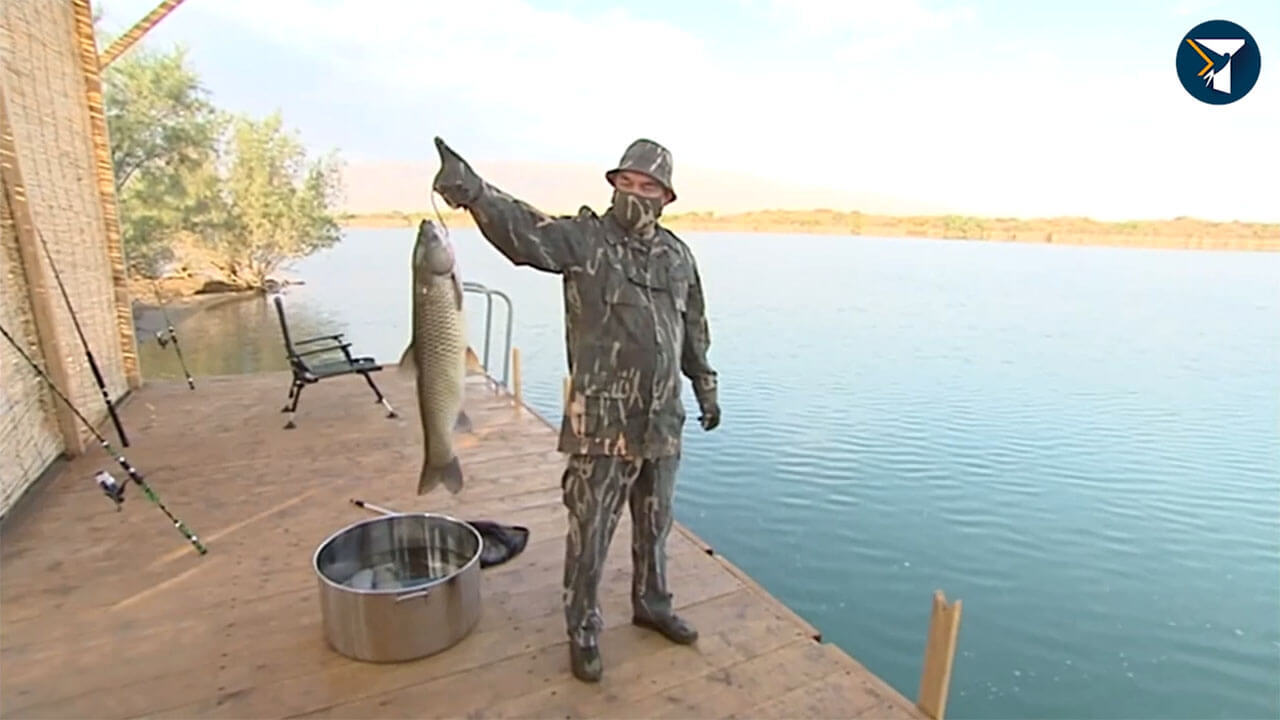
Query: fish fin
{"type": "Point", "coordinates": [457, 289]}
{"type": "Point", "coordinates": [407, 364]}
{"type": "Point", "coordinates": [463, 423]}
{"type": "Point", "coordinates": [453, 476]}
{"type": "Point", "coordinates": [473, 361]}
{"type": "Point", "coordinates": [449, 474]}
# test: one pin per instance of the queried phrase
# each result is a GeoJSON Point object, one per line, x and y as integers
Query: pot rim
{"type": "Point", "coordinates": [474, 561]}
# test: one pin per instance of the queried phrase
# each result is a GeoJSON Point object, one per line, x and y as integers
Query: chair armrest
{"type": "Point", "coordinates": [333, 348]}
{"type": "Point", "coordinates": [318, 338]}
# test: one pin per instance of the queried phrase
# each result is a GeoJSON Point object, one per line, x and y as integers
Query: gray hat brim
{"type": "Point", "coordinates": [609, 176]}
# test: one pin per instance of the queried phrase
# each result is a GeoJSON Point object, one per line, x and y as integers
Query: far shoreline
{"type": "Point", "coordinates": [1177, 234]}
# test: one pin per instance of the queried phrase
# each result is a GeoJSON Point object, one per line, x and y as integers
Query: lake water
{"type": "Point", "coordinates": [1080, 443]}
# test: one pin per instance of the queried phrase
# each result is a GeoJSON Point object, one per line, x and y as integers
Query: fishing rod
{"type": "Point", "coordinates": [370, 506]}
{"type": "Point", "coordinates": [109, 485]}
{"type": "Point", "coordinates": [93, 364]}
{"type": "Point", "coordinates": [173, 336]}
{"type": "Point", "coordinates": [498, 543]}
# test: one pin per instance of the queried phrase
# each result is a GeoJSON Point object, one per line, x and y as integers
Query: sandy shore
{"type": "Point", "coordinates": [1176, 234]}
{"type": "Point", "coordinates": [1180, 233]}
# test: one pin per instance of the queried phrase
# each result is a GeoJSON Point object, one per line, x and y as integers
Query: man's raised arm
{"type": "Point", "coordinates": [525, 235]}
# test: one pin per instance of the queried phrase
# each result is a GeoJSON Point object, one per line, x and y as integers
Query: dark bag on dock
{"type": "Point", "coordinates": [501, 542]}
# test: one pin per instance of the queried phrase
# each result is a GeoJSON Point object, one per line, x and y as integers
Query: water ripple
{"type": "Point", "coordinates": [1079, 442]}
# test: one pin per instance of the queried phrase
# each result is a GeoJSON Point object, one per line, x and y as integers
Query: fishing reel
{"type": "Point", "coordinates": [110, 487]}
{"type": "Point", "coordinates": [161, 339]}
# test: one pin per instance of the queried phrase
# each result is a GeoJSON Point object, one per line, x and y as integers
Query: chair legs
{"type": "Point", "coordinates": [293, 387]}
{"type": "Point", "coordinates": [295, 393]}
{"type": "Point", "coordinates": [391, 413]}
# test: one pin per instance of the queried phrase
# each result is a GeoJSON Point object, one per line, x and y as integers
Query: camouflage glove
{"type": "Point", "coordinates": [456, 182]}
{"type": "Point", "coordinates": [710, 417]}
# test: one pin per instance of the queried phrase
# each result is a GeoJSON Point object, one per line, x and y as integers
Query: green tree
{"type": "Point", "coordinates": [164, 133]}
{"type": "Point", "coordinates": [271, 205]}
{"type": "Point", "coordinates": [963, 226]}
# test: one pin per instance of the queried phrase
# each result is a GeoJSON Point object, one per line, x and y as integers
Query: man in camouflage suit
{"type": "Point", "coordinates": [634, 321]}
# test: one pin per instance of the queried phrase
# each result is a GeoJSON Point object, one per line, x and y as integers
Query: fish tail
{"type": "Point", "coordinates": [449, 474]}
{"type": "Point", "coordinates": [464, 423]}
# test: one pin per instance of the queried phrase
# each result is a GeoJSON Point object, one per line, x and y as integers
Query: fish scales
{"type": "Point", "coordinates": [437, 356]}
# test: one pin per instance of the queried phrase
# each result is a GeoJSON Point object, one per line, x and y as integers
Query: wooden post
{"type": "Point", "coordinates": [516, 390]}
{"type": "Point", "coordinates": [106, 181]}
{"type": "Point", "coordinates": [40, 291]}
{"type": "Point", "coordinates": [135, 33]}
{"type": "Point", "coordinates": [939, 655]}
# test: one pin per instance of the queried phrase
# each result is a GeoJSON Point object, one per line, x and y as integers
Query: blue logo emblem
{"type": "Point", "coordinates": [1218, 62]}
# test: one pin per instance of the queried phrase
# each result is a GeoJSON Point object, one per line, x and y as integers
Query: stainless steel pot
{"type": "Point", "coordinates": [399, 587]}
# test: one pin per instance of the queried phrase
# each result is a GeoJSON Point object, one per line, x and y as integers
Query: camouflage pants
{"type": "Point", "coordinates": [595, 488]}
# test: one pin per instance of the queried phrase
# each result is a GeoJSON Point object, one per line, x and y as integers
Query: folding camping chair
{"type": "Point", "coordinates": [309, 372]}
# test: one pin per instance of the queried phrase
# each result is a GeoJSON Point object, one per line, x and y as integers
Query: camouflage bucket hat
{"type": "Point", "coordinates": [650, 158]}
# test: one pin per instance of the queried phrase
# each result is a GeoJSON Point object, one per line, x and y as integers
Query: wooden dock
{"type": "Point", "coordinates": [114, 615]}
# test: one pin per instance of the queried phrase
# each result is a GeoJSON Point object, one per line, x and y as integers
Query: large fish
{"type": "Point", "coordinates": [437, 356]}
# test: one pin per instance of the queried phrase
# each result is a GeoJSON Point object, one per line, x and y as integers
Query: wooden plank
{"type": "Point", "coordinates": [842, 694]}
{"type": "Point", "coordinates": [637, 663]}
{"type": "Point", "coordinates": [747, 580]}
{"type": "Point", "coordinates": [339, 680]}
{"type": "Point", "coordinates": [939, 655]}
{"type": "Point", "coordinates": [158, 620]}
{"type": "Point", "coordinates": [284, 557]}
{"type": "Point", "coordinates": [105, 176]}
{"type": "Point", "coordinates": [737, 633]}
{"type": "Point", "coordinates": [279, 647]}
{"type": "Point", "coordinates": [737, 687]}
{"type": "Point", "coordinates": [845, 663]}
{"type": "Point", "coordinates": [40, 291]}
{"type": "Point", "coordinates": [179, 609]}
{"type": "Point", "coordinates": [178, 493]}
{"type": "Point", "coordinates": [261, 561]}
{"type": "Point", "coordinates": [186, 601]}
{"type": "Point", "coordinates": [517, 388]}
{"type": "Point", "coordinates": [135, 33]}
{"type": "Point", "coordinates": [237, 633]}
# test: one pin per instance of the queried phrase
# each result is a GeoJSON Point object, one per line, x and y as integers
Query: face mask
{"type": "Point", "coordinates": [636, 213]}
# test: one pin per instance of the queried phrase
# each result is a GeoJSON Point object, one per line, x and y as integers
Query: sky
{"type": "Point", "coordinates": [978, 107]}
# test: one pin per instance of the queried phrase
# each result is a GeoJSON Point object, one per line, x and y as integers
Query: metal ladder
{"type": "Point", "coordinates": [489, 293]}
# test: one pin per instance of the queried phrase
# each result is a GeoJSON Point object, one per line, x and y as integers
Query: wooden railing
{"type": "Point", "coordinates": [939, 656]}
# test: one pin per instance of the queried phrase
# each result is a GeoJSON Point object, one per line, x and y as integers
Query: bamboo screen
{"type": "Point", "coordinates": [52, 167]}
{"type": "Point", "coordinates": [29, 436]}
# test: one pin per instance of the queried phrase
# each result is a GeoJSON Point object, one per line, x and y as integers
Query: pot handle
{"type": "Point", "coordinates": [413, 595]}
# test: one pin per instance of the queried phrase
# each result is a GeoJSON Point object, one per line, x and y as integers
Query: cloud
{"type": "Point", "coordinates": [1203, 8]}
{"type": "Point", "coordinates": [868, 27]}
{"type": "Point", "coordinates": [561, 188]}
{"type": "Point", "coordinates": [540, 71]}
{"type": "Point", "coordinates": [873, 100]}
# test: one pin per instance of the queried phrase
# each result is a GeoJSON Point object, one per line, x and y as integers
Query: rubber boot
{"type": "Point", "coordinates": [585, 662]}
{"type": "Point", "coordinates": [673, 627]}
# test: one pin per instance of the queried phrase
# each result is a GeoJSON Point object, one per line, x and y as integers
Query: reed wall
{"type": "Point", "coordinates": [52, 147]}
{"type": "Point", "coordinates": [29, 434]}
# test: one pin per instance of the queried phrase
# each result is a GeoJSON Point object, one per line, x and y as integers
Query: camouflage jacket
{"type": "Point", "coordinates": [634, 322]}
